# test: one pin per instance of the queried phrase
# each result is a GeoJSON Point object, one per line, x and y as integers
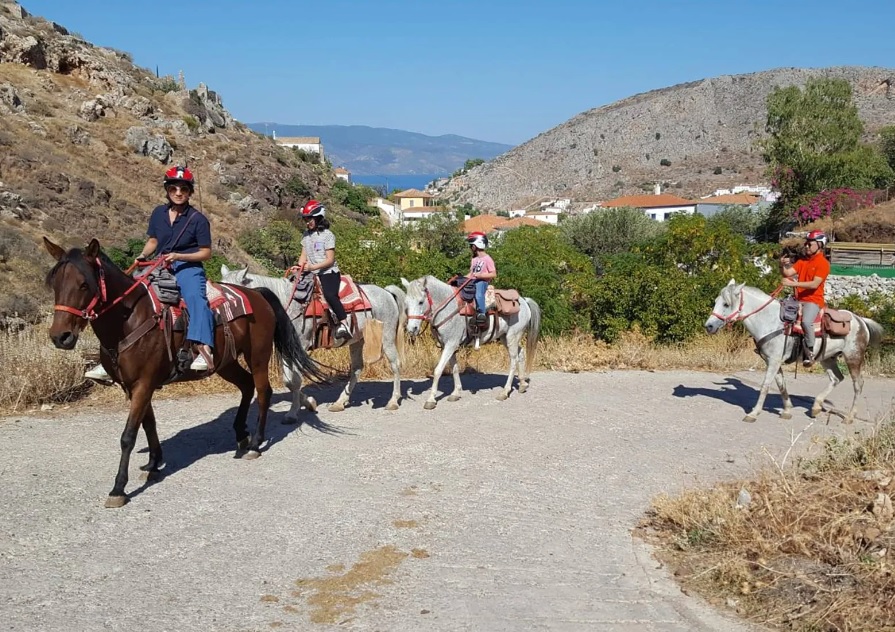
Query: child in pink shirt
{"type": "Point", "coordinates": [481, 270]}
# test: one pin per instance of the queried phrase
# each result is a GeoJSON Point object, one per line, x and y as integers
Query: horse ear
{"type": "Point", "coordinates": [404, 282]}
{"type": "Point", "coordinates": [55, 251]}
{"type": "Point", "coordinates": [224, 270]}
{"type": "Point", "coordinates": [425, 282]}
{"type": "Point", "coordinates": [740, 287]}
{"type": "Point", "coordinates": [731, 282]}
{"type": "Point", "coordinates": [92, 249]}
{"type": "Point", "coordinates": [241, 274]}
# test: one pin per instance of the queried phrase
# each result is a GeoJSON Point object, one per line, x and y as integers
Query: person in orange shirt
{"type": "Point", "coordinates": [808, 276]}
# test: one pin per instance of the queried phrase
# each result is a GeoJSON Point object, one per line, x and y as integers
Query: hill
{"type": "Point", "coordinates": [86, 136]}
{"type": "Point", "coordinates": [695, 136]}
{"type": "Point", "coordinates": [382, 151]}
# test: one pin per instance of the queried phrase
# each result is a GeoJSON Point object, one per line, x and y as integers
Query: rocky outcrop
{"type": "Point", "coordinates": [838, 287]}
{"type": "Point", "coordinates": [142, 141]}
{"type": "Point", "coordinates": [680, 135]}
{"type": "Point", "coordinates": [10, 101]}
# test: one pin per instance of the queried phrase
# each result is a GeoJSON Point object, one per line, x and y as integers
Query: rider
{"type": "Point", "coordinates": [318, 255]}
{"type": "Point", "coordinates": [481, 270]}
{"type": "Point", "coordinates": [182, 235]}
{"type": "Point", "coordinates": [808, 276]}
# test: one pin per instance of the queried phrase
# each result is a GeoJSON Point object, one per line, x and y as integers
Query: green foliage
{"type": "Point", "coordinates": [354, 197]}
{"type": "Point", "coordinates": [718, 171]}
{"type": "Point", "coordinates": [469, 164]}
{"type": "Point", "coordinates": [742, 220]}
{"type": "Point", "coordinates": [297, 187]}
{"type": "Point", "coordinates": [665, 162]}
{"type": "Point", "coordinates": [192, 123]}
{"type": "Point", "coordinates": [213, 266]}
{"type": "Point", "coordinates": [540, 264]}
{"type": "Point", "coordinates": [167, 84]}
{"type": "Point", "coordinates": [609, 231]}
{"type": "Point", "coordinates": [123, 256]}
{"type": "Point", "coordinates": [878, 306]}
{"type": "Point", "coordinates": [276, 245]}
{"type": "Point", "coordinates": [616, 168]}
{"type": "Point", "coordinates": [887, 144]}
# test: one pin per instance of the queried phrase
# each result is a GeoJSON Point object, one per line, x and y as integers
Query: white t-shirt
{"type": "Point", "coordinates": [315, 244]}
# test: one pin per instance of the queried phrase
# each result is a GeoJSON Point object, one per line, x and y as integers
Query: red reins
{"type": "Point", "coordinates": [737, 316]}
{"type": "Point", "coordinates": [89, 313]}
{"type": "Point", "coordinates": [431, 311]}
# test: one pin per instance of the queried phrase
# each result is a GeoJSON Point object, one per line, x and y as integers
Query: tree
{"type": "Point", "coordinates": [609, 231]}
{"type": "Point", "coordinates": [887, 144]}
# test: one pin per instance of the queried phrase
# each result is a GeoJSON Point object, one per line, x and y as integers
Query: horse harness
{"type": "Point", "coordinates": [429, 315]}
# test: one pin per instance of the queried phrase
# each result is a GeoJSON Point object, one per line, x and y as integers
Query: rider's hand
{"type": "Point", "coordinates": [785, 261]}
{"type": "Point", "coordinates": [172, 256]}
{"type": "Point", "coordinates": [141, 259]}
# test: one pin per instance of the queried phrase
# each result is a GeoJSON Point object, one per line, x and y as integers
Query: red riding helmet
{"type": "Point", "coordinates": [477, 239]}
{"type": "Point", "coordinates": [179, 175]}
{"type": "Point", "coordinates": [819, 236]}
{"type": "Point", "coordinates": [313, 209]}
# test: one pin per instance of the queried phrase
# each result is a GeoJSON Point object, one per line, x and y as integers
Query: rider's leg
{"type": "Point", "coordinates": [809, 315]}
{"type": "Point", "coordinates": [481, 286]}
{"type": "Point", "coordinates": [191, 279]}
{"type": "Point", "coordinates": [329, 285]}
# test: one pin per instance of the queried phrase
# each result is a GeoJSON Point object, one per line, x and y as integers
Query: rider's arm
{"type": "Point", "coordinates": [326, 263]}
{"type": "Point", "coordinates": [150, 247]}
{"type": "Point", "coordinates": [203, 254]}
{"type": "Point", "coordinates": [786, 268]}
{"type": "Point", "coordinates": [808, 285]}
{"type": "Point", "coordinates": [302, 260]}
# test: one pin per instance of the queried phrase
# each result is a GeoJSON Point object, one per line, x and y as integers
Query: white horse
{"type": "Point", "coordinates": [387, 306]}
{"type": "Point", "coordinates": [760, 314]}
{"type": "Point", "coordinates": [435, 301]}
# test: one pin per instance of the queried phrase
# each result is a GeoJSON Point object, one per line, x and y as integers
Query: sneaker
{"type": "Point", "coordinates": [342, 332]}
{"type": "Point", "coordinates": [199, 364]}
{"type": "Point", "coordinates": [98, 373]}
{"type": "Point", "coordinates": [808, 360]}
{"type": "Point", "coordinates": [481, 319]}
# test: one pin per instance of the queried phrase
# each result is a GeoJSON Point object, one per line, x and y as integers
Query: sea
{"type": "Point", "coordinates": [401, 182]}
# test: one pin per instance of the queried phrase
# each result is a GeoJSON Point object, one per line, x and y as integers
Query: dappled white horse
{"type": "Point", "coordinates": [429, 299]}
{"type": "Point", "coordinates": [760, 314]}
{"type": "Point", "coordinates": [387, 304]}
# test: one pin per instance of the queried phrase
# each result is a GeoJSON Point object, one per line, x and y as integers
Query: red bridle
{"type": "Point", "coordinates": [431, 310]}
{"type": "Point", "coordinates": [738, 316]}
{"type": "Point", "coordinates": [89, 313]}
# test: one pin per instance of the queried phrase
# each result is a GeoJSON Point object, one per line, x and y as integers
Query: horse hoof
{"type": "Point", "coordinates": [151, 476]}
{"type": "Point", "coordinates": [116, 502]}
{"type": "Point", "coordinates": [454, 398]}
{"type": "Point", "coordinates": [816, 411]}
{"type": "Point", "coordinates": [502, 396]}
{"type": "Point", "coordinates": [786, 415]}
{"type": "Point", "coordinates": [523, 388]}
{"type": "Point", "coordinates": [429, 406]}
{"type": "Point", "coordinates": [749, 418]}
{"type": "Point", "coordinates": [242, 445]}
{"type": "Point", "coordinates": [311, 404]}
{"type": "Point", "coordinates": [392, 406]}
{"type": "Point", "coordinates": [336, 408]}
{"type": "Point", "coordinates": [251, 455]}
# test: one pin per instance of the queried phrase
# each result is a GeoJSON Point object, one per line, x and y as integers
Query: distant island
{"type": "Point", "coordinates": [380, 151]}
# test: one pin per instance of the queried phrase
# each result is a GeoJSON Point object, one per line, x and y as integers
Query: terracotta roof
{"type": "Point", "coordinates": [737, 198]}
{"type": "Point", "coordinates": [341, 170]}
{"type": "Point", "coordinates": [298, 140]}
{"type": "Point", "coordinates": [516, 222]}
{"type": "Point", "coordinates": [648, 201]}
{"type": "Point", "coordinates": [413, 193]}
{"type": "Point", "coordinates": [483, 223]}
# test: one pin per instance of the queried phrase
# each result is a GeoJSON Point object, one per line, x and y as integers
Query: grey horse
{"type": "Point", "coordinates": [760, 314]}
{"type": "Point", "coordinates": [434, 301]}
{"type": "Point", "coordinates": [387, 306]}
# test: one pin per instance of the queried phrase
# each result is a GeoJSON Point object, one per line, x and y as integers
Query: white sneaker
{"type": "Point", "coordinates": [199, 364]}
{"type": "Point", "coordinates": [98, 373]}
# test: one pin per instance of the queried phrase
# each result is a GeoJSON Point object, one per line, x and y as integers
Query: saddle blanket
{"type": "Point", "coordinates": [227, 302]}
{"type": "Point", "coordinates": [353, 299]}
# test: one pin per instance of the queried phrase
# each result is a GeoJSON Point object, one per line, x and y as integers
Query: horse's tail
{"type": "Point", "coordinates": [399, 296]}
{"type": "Point", "coordinates": [876, 332]}
{"type": "Point", "coordinates": [287, 342]}
{"type": "Point", "coordinates": [534, 330]}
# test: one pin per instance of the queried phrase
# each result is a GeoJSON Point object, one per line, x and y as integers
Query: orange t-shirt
{"type": "Point", "coordinates": [807, 269]}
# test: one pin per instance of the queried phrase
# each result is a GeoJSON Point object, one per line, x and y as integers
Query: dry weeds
{"type": "Point", "coordinates": [812, 550]}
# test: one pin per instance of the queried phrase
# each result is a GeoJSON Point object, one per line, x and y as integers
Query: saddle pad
{"type": "Point", "coordinates": [353, 299]}
{"type": "Point", "coordinates": [796, 327]}
{"type": "Point", "coordinates": [227, 303]}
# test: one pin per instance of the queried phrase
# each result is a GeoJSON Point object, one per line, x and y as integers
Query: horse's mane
{"type": "Point", "coordinates": [75, 256]}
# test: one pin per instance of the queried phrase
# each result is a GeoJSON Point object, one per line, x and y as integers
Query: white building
{"type": "Point", "coordinates": [343, 174]}
{"type": "Point", "coordinates": [305, 143]}
{"type": "Point", "coordinates": [658, 207]}
{"type": "Point", "coordinates": [519, 212]}
{"type": "Point", "coordinates": [390, 210]}
{"type": "Point", "coordinates": [546, 216]}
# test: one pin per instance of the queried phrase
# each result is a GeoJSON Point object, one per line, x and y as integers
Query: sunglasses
{"type": "Point", "coordinates": [174, 188]}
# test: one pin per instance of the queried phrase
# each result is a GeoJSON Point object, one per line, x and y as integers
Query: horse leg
{"type": "Point", "coordinates": [446, 354]}
{"type": "Point", "coordinates": [520, 370]}
{"type": "Point", "coordinates": [259, 363]}
{"type": "Point", "coordinates": [835, 375]}
{"type": "Point", "coordinates": [141, 397]}
{"type": "Point", "coordinates": [394, 361]}
{"type": "Point", "coordinates": [855, 369]}
{"type": "Point", "coordinates": [155, 447]}
{"type": "Point", "coordinates": [356, 353]}
{"type": "Point", "coordinates": [242, 379]}
{"type": "Point", "coordinates": [786, 413]}
{"type": "Point", "coordinates": [512, 347]}
{"type": "Point", "coordinates": [455, 371]}
{"type": "Point", "coordinates": [292, 381]}
{"type": "Point", "coordinates": [769, 376]}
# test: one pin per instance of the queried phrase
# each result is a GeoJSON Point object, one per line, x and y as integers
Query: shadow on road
{"type": "Point", "coordinates": [736, 392]}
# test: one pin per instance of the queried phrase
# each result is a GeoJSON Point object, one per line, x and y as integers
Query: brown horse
{"type": "Point", "coordinates": [89, 288]}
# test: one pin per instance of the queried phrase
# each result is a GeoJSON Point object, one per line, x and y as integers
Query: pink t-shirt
{"type": "Point", "coordinates": [482, 263]}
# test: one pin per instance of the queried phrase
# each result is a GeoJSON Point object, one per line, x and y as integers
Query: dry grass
{"type": "Point", "coordinates": [811, 551]}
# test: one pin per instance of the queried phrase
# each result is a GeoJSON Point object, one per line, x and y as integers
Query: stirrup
{"type": "Point", "coordinates": [342, 332]}
{"type": "Point", "coordinates": [98, 373]}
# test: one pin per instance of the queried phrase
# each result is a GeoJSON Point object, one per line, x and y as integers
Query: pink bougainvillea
{"type": "Point", "coordinates": [833, 203]}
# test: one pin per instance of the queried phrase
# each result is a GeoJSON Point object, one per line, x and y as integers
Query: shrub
{"type": "Point", "coordinates": [354, 197]}
{"type": "Point", "coordinates": [167, 84]}
{"type": "Point", "coordinates": [717, 171]}
{"type": "Point", "coordinates": [616, 168]}
{"type": "Point", "coordinates": [665, 162]}
{"type": "Point", "coordinates": [609, 231]}
{"type": "Point", "coordinates": [658, 135]}
{"type": "Point", "coordinates": [191, 122]}
{"type": "Point", "coordinates": [297, 187]}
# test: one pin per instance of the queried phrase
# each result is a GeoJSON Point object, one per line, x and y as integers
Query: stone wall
{"type": "Point", "coordinates": [839, 287]}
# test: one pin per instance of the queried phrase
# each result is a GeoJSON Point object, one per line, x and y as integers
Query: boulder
{"type": "Point", "coordinates": [143, 142]}
{"type": "Point", "coordinates": [10, 101]}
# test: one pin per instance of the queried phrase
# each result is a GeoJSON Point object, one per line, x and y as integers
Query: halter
{"type": "Point", "coordinates": [737, 316]}
{"type": "Point", "coordinates": [89, 313]}
{"type": "Point", "coordinates": [431, 310]}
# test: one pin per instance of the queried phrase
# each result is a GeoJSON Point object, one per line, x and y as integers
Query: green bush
{"type": "Point", "coordinates": [192, 123]}
{"type": "Point", "coordinates": [354, 197]}
{"type": "Point", "coordinates": [717, 171]}
{"type": "Point", "coordinates": [297, 187]}
{"type": "Point", "coordinates": [276, 246]}
{"type": "Point", "coordinates": [609, 230]}
{"type": "Point", "coordinates": [665, 162]}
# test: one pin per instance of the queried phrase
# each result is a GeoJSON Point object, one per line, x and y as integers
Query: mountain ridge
{"type": "Point", "coordinates": [368, 150]}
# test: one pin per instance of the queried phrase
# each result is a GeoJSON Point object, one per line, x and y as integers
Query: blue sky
{"type": "Point", "coordinates": [495, 70]}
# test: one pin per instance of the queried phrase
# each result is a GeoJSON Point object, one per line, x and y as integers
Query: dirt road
{"type": "Point", "coordinates": [480, 515]}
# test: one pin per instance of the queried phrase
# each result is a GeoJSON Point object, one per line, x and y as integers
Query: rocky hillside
{"type": "Point", "coordinates": [86, 136]}
{"type": "Point", "coordinates": [696, 136]}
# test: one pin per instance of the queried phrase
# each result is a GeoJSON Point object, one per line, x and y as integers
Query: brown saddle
{"type": "Point", "coordinates": [833, 322]}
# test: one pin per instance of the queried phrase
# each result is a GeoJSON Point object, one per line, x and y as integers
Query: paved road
{"type": "Point", "coordinates": [480, 515]}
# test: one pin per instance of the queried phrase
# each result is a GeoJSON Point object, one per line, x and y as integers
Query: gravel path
{"type": "Point", "coordinates": [480, 515]}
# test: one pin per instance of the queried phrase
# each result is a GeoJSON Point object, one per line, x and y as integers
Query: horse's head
{"type": "Point", "coordinates": [236, 277]}
{"type": "Point", "coordinates": [727, 307]}
{"type": "Point", "coordinates": [77, 291]}
{"type": "Point", "coordinates": [418, 303]}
